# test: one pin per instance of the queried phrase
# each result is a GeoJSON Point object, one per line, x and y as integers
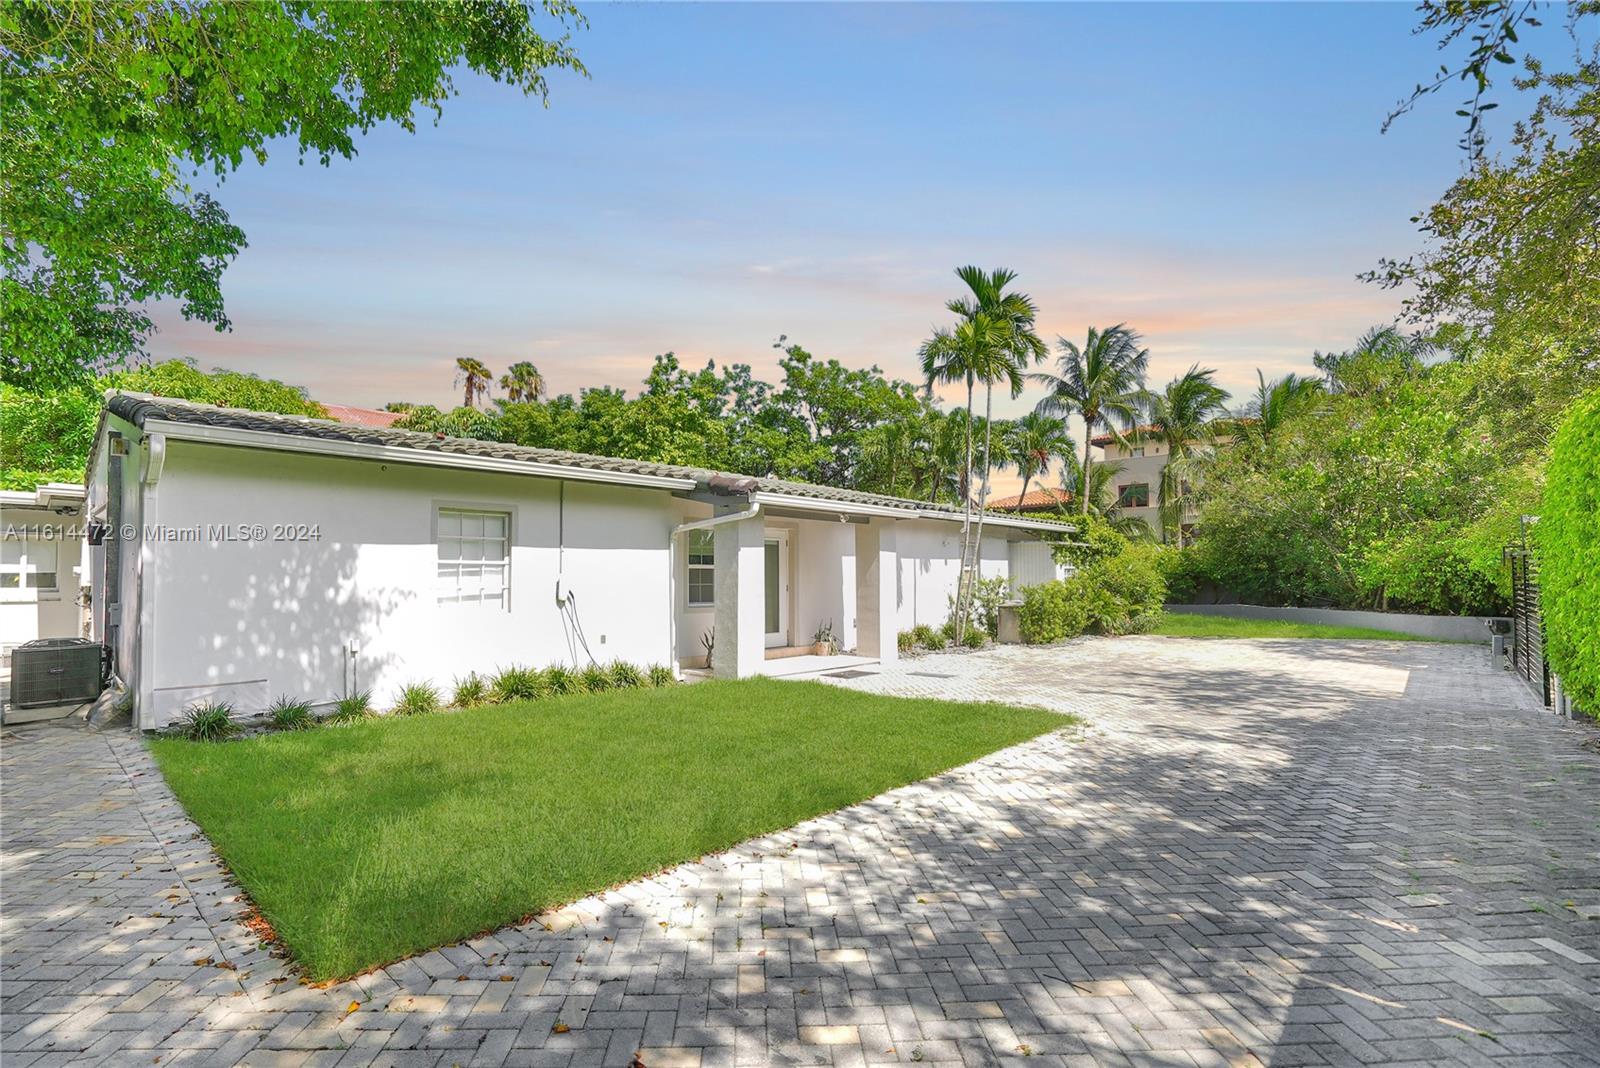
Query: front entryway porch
{"type": "Point", "coordinates": [763, 589]}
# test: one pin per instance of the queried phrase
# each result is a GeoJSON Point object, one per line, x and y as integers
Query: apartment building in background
{"type": "Point", "coordinates": [1142, 456]}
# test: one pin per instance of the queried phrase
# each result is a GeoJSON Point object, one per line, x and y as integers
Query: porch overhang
{"type": "Point", "coordinates": [812, 506]}
{"type": "Point", "coordinates": [855, 511]}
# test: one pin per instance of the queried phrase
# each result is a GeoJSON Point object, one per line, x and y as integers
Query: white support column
{"type": "Point", "coordinates": [739, 649]}
{"type": "Point", "coordinates": [877, 568]}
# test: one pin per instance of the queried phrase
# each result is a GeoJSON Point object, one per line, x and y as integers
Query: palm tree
{"type": "Point", "coordinates": [1018, 345]}
{"type": "Point", "coordinates": [1183, 415]}
{"type": "Point", "coordinates": [895, 455]}
{"type": "Point", "coordinates": [522, 382]}
{"type": "Point", "coordinates": [1277, 402]}
{"type": "Point", "coordinates": [974, 348]}
{"type": "Point", "coordinates": [936, 463]}
{"type": "Point", "coordinates": [1381, 356]}
{"type": "Point", "coordinates": [1101, 496]}
{"type": "Point", "coordinates": [994, 339]}
{"type": "Point", "coordinates": [1033, 442]}
{"type": "Point", "coordinates": [954, 354]}
{"type": "Point", "coordinates": [475, 377]}
{"type": "Point", "coordinates": [1101, 383]}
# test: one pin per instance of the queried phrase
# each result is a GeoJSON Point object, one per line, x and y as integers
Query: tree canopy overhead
{"type": "Point", "coordinates": [108, 110]}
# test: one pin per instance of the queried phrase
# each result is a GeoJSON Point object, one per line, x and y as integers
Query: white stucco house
{"type": "Point", "coordinates": [250, 555]}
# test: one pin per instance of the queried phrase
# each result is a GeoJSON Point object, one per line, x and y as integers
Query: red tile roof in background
{"type": "Point", "coordinates": [1039, 500]}
{"type": "Point", "coordinates": [344, 413]}
{"type": "Point", "coordinates": [1103, 440]}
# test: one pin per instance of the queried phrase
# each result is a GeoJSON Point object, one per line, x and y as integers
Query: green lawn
{"type": "Point", "coordinates": [1180, 625]}
{"type": "Point", "coordinates": [362, 844]}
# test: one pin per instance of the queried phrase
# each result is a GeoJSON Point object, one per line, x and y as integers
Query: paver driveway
{"type": "Point", "coordinates": [1274, 852]}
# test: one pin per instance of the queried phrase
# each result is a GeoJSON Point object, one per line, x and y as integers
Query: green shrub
{"type": "Point", "coordinates": [905, 641]}
{"type": "Point", "coordinates": [230, 389]}
{"type": "Point", "coordinates": [45, 437]}
{"type": "Point", "coordinates": [356, 707]}
{"type": "Point", "coordinates": [470, 691]}
{"type": "Point", "coordinates": [975, 638]}
{"type": "Point", "coordinates": [1268, 539]}
{"type": "Point", "coordinates": [625, 676]}
{"type": "Point", "coordinates": [1095, 539]}
{"type": "Point", "coordinates": [1053, 611]}
{"type": "Point", "coordinates": [417, 699]}
{"type": "Point", "coordinates": [562, 681]}
{"type": "Point", "coordinates": [987, 596]}
{"type": "Point", "coordinates": [1427, 570]}
{"type": "Point", "coordinates": [518, 684]}
{"type": "Point", "coordinates": [288, 714]}
{"type": "Point", "coordinates": [594, 679]}
{"type": "Point", "coordinates": [1567, 538]}
{"type": "Point", "coordinates": [935, 641]}
{"type": "Point", "coordinates": [208, 722]}
{"type": "Point", "coordinates": [947, 630]}
{"type": "Point", "coordinates": [458, 423]}
{"type": "Point", "coordinates": [661, 675]}
{"type": "Point", "coordinates": [1184, 572]}
{"type": "Point", "coordinates": [1124, 591]}
{"type": "Point", "coordinates": [923, 635]}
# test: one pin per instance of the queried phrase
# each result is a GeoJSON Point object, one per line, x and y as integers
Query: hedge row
{"type": "Point", "coordinates": [214, 720]}
{"type": "Point", "coordinates": [1567, 538]}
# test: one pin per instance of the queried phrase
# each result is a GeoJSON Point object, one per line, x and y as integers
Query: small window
{"type": "Point", "coordinates": [1134, 495]}
{"type": "Point", "coordinates": [1138, 450]}
{"type": "Point", "coordinates": [474, 557]}
{"type": "Point", "coordinates": [28, 563]}
{"type": "Point", "coordinates": [702, 569]}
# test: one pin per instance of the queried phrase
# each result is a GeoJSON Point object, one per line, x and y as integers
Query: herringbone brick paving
{"type": "Point", "coordinates": [1257, 852]}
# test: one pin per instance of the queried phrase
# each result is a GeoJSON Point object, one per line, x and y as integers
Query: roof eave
{"type": "Point", "coordinates": [832, 507]}
{"type": "Point", "coordinates": [1015, 522]}
{"type": "Point", "coordinates": [265, 439]}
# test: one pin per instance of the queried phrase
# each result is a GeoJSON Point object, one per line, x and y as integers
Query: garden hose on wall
{"type": "Point", "coordinates": [566, 600]}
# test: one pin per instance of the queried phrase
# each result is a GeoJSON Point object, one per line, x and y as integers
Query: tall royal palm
{"type": "Point", "coordinates": [522, 382]}
{"type": "Point", "coordinates": [1034, 442]}
{"type": "Point", "coordinates": [474, 378]}
{"type": "Point", "coordinates": [1101, 383]}
{"type": "Point", "coordinates": [1184, 415]}
{"type": "Point", "coordinates": [1017, 345]}
{"type": "Point", "coordinates": [955, 355]}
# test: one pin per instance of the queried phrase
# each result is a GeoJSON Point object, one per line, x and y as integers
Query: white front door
{"type": "Point", "coordinates": [776, 586]}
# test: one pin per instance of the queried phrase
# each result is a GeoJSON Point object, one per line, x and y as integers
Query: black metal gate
{"type": "Point", "coordinates": [1527, 643]}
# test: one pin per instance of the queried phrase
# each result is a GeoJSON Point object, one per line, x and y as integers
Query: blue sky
{"type": "Point", "coordinates": [1212, 174]}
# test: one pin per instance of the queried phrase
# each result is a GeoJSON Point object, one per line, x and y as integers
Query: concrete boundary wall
{"type": "Point", "coordinates": [1445, 628]}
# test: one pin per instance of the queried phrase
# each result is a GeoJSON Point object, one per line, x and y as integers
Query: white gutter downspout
{"type": "Point", "coordinates": [672, 577]}
{"type": "Point", "coordinates": [155, 462]}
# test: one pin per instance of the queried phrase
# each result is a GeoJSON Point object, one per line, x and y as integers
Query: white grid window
{"type": "Point", "coordinates": [474, 557]}
{"type": "Point", "coordinates": [28, 564]}
{"type": "Point", "coordinates": [702, 572]}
